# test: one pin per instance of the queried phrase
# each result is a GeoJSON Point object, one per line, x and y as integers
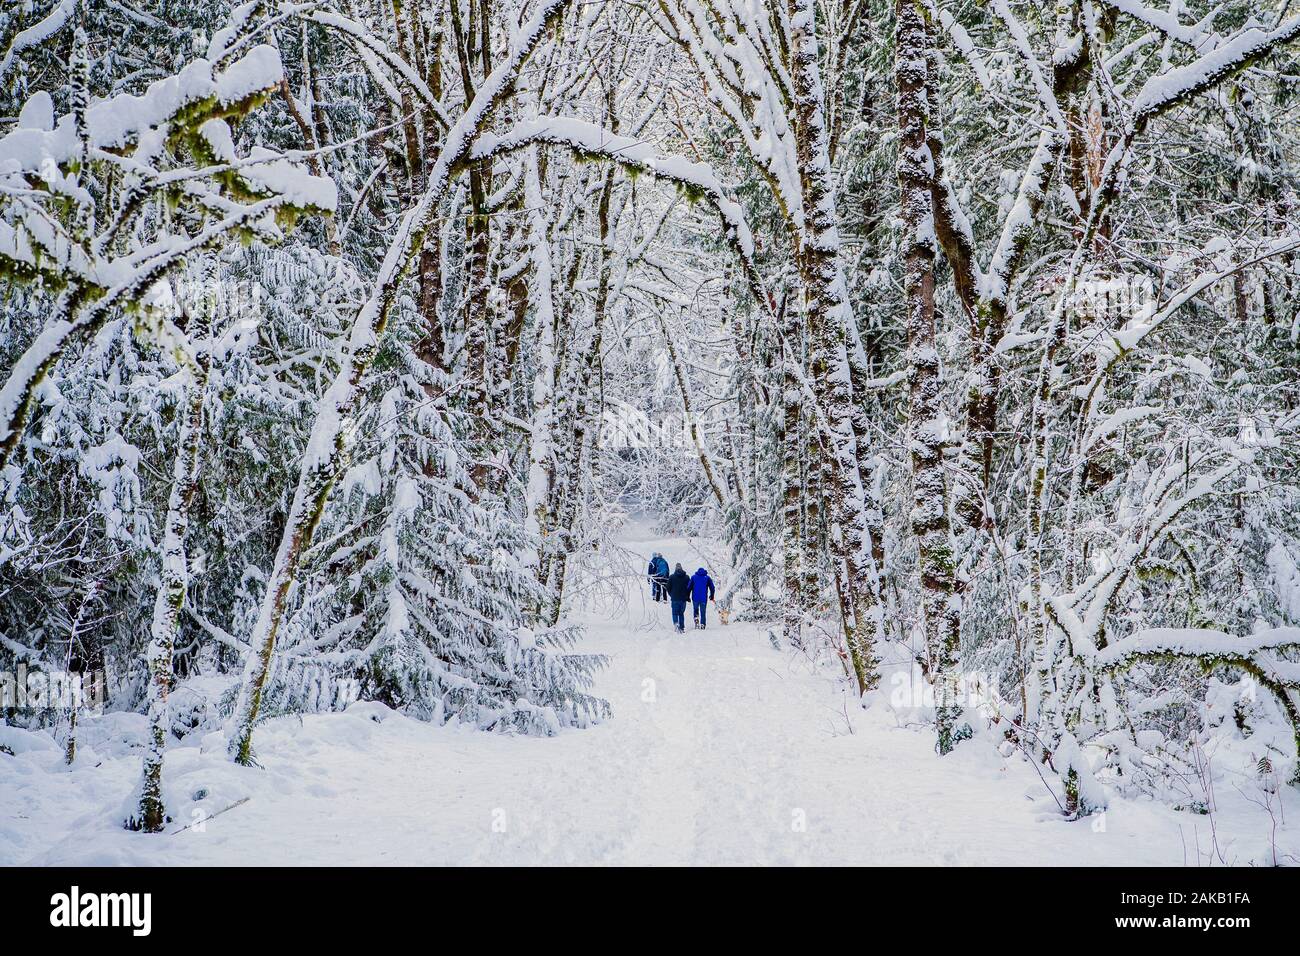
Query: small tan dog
{"type": "Point", "coordinates": [723, 615]}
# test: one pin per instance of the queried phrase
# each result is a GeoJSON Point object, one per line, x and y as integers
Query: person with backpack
{"type": "Point", "coordinates": [679, 592]}
{"type": "Point", "coordinates": [701, 594]}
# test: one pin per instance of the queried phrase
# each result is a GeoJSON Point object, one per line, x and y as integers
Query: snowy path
{"type": "Point", "coordinates": [722, 750]}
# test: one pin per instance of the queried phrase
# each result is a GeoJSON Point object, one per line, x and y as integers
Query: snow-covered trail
{"type": "Point", "coordinates": [722, 750]}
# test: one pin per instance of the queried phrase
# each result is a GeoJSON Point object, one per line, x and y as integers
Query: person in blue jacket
{"type": "Point", "coordinates": [679, 592]}
{"type": "Point", "coordinates": [658, 575]}
{"type": "Point", "coordinates": [701, 595]}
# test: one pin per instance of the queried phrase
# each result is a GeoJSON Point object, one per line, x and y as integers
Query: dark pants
{"type": "Point", "coordinates": [656, 590]}
{"type": "Point", "coordinates": [679, 615]}
{"type": "Point", "coordinates": [700, 608]}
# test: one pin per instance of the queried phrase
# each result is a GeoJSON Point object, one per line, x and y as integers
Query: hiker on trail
{"type": "Point", "coordinates": [658, 575]}
{"type": "Point", "coordinates": [679, 592]}
{"type": "Point", "coordinates": [701, 595]}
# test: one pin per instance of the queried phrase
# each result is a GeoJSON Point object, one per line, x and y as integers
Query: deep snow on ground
{"type": "Point", "coordinates": [721, 750]}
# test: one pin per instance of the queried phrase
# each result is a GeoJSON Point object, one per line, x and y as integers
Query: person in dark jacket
{"type": "Point", "coordinates": [679, 592]}
{"type": "Point", "coordinates": [701, 595]}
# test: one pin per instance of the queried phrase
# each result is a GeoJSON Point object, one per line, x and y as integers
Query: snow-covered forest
{"type": "Point", "coordinates": [353, 353]}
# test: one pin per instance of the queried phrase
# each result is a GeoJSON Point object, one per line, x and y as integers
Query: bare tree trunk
{"type": "Point", "coordinates": [74, 639]}
{"type": "Point", "coordinates": [541, 441]}
{"type": "Point", "coordinates": [940, 601]}
{"type": "Point", "coordinates": [174, 577]}
{"type": "Point", "coordinates": [793, 443]}
{"type": "Point", "coordinates": [827, 308]}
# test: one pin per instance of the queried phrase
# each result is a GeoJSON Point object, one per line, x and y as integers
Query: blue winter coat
{"type": "Point", "coordinates": [701, 585]}
{"type": "Point", "coordinates": [661, 566]}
